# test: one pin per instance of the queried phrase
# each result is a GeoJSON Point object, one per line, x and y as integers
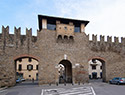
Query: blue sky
{"type": "Point", "coordinates": [107, 17]}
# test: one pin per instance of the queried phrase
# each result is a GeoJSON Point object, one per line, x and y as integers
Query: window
{"type": "Point", "coordinates": [30, 59]}
{"type": "Point", "coordinates": [100, 67]}
{"type": "Point", "coordinates": [20, 67]}
{"type": "Point", "coordinates": [36, 67]}
{"type": "Point", "coordinates": [59, 37]}
{"type": "Point", "coordinates": [29, 75]}
{"type": "Point", "coordinates": [65, 28]}
{"type": "Point", "coordinates": [51, 26]}
{"type": "Point", "coordinates": [30, 67]}
{"type": "Point", "coordinates": [94, 60]}
{"type": "Point", "coordinates": [93, 67]}
{"type": "Point", "coordinates": [65, 37]}
{"type": "Point", "coordinates": [20, 60]}
{"type": "Point", "coordinates": [77, 29]}
{"type": "Point", "coordinates": [71, 37]}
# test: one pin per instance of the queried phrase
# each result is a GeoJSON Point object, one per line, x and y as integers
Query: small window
{"type": "Point", "coordinates": [36, 67]}
{"type": "Point", "coordinates": [51, 26]}
{"type": "Point", "coordinates": [59, 37]}
{"type": "Point", "coordinates": [65, 28]}
{"type": "Point", "coordinates": [93, 67]}
{"type": "Point", "coordinates": [29, 75]}
{"type": "Point", "coordinates": [20, 60]}
{"type": "Point", "coordinates": [101, 67]}
{"type": "Point", "coordinates": [20, 67]}
{"type": "Point", "coordinates": [77, 29]}
{"type": "Point", "coordinates": [93, 60]}
{"type": "Point", "coordinates": [71, 37]}
{"type": "Point", "coordinates": [65, 37]}
{"type": "Point", "coordinates": [30, 59]}
{"type": "Point", "coordinates": [30, 67]}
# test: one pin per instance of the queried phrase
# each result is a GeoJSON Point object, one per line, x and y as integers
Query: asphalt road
{"type": "Point", "coordinates": [93, 88]}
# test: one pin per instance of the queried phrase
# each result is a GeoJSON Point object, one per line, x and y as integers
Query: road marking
{"type": "Point", "coordinates": [71, 91]}
{"type": "Point", "coordinates": [42, 92]}
{"type": "Point", "coordinates": [93, 91]}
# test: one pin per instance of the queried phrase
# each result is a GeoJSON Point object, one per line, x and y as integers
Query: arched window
{"type": "Point", "coordinates": [29, 67]}
{"type": "Point", "coordinates": [71, 37]}
{"type": "Point", "coordinates": [59, 37]}
{"type": "Point", "coordinates": [65, 37]}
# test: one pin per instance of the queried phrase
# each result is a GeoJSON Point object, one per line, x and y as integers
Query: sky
{"type": "Point", "coordinates": [107, 17]}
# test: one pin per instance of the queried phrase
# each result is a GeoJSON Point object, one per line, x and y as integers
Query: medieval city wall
{"type": "Point", "coordinates": [113, 53]}
{"type": "Point", "coordinates": [13, 46]}
{"type": "Point", "coordinates": [49, 52]}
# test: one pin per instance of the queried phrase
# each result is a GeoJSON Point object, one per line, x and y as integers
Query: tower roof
{"type": "Point", "coordinates": [52, 19]}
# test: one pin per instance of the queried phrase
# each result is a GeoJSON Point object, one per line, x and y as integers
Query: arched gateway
{"type": "Point", "coordinates": [65, 71]}
{"type": "Point", "coordinates": [26, 67]}
{"type": "Point", "coordinates": [97, 68]}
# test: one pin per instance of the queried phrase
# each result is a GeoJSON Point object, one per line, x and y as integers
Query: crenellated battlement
{"type": "Point", "coordinates": [16, 40]}
{"type": "Point", "coordinates": [109, 39]}
{"type": "Point", "coordinates": [109, 45]}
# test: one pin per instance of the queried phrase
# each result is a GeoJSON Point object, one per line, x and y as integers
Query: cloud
{"type": "Point", "coordinates": [106, 16]}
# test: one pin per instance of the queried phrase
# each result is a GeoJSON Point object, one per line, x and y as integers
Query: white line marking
{"type": "Point", "coordinates": [42, 92]}
{"type": "Point", "coordinates": [87, 94]}
{"type": "Point", "coordinates": [78, 91]}
{"type": "Point", "coordinates": [93, 91]}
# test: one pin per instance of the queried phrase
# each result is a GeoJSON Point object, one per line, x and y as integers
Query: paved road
{"type": "Point", "coordinates": [94, 88]}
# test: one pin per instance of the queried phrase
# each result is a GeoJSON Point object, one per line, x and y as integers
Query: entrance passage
{"type": "Point", "coordinates": [65, 71]}
{"type": "Point", "coordinates": [26, 70]}
{"type": "Point", "coordinates": [97, 69]}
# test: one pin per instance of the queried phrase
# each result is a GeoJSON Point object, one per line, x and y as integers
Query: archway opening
{"type": "Point", "coordinates": [65, 71]}
{"type": "Point", "coordinates": [26, 70]}
{"type": "Point", "coordinates": [97, 69]}
{"type": "Point", "coordinates": [71, 38]}
{"type": "Point", "coordinates": [66, 38]}
{"type": "Point", "coordinates": [59, 38]}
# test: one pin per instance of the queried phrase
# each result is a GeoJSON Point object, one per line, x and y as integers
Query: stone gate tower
{"type": "Point", "coordinates": [62, 41]}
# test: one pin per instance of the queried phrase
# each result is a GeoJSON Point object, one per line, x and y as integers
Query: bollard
{"type": "Point", "coordinates": [72, 83]}
{"type": "Point", "coordinates": [65, 84]}
{"type": "Point", "coordinates": [49, 84]}
{"type": "Point", "coordinates": [78, 83]}
{"type": "Point", "coordinates": [56, 84]}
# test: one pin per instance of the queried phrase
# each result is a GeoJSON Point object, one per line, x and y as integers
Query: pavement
{"type": "Point", "coordinates": [92, 88]}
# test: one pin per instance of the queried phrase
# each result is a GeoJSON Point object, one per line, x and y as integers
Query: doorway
{"type": "Point", "coordinates": [65, 71]}
{"type": "Point", "coordinates": [97, 69]}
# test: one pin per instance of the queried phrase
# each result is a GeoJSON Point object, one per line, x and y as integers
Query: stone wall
{"type": "Point", "coordinates": [13, 46]}
{"type": "Point", "coordinates": [49, 52]}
